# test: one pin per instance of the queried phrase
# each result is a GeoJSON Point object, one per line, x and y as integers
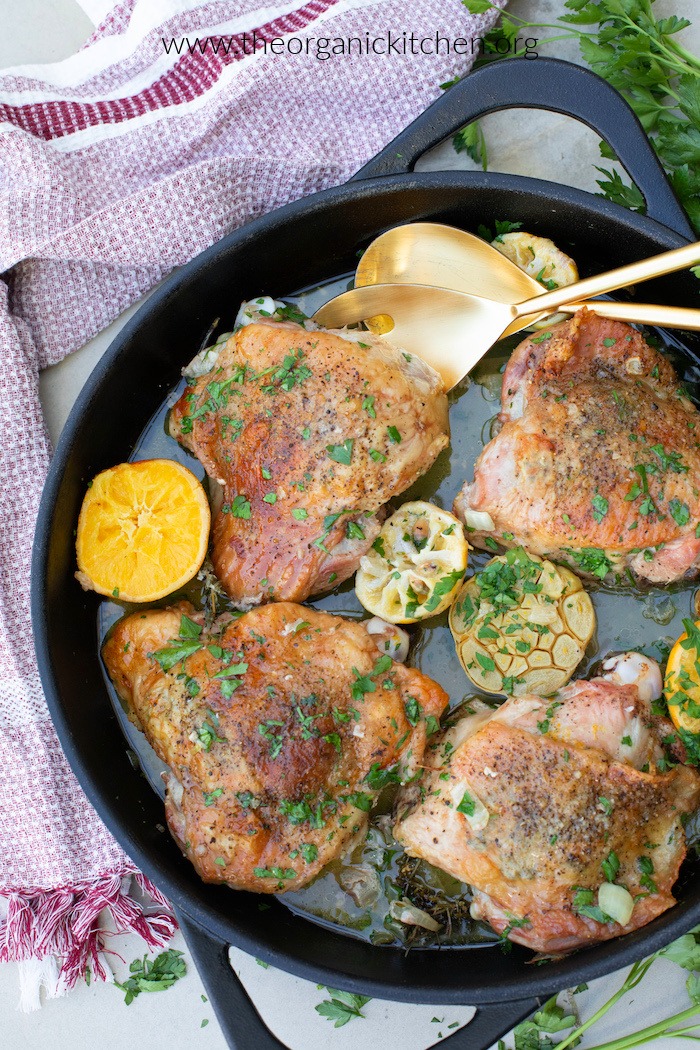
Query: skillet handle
{"type": "Point", "coordinates": [491, 1022]}
{"type": "Point", "coordinates": [551, 84]}
{"type": "Point", "coordinates": [242, 1025]}
{"type": "Point", "coordinates": [244, 1029]}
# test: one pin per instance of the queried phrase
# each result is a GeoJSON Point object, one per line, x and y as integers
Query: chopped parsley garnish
{"type": "Point", "coordinates": [467, 805]}
{"type": "Point", "coordinates": [680, 512]}
{"type": "Point", "coordinates": [583, 905]}
{"type": "Point", "coordinates": [368, 405]}
{"type": "Point", "coordinates": [363, 683]}
{"type": "Point", "coordinates": [341, 453]}
{"type": "Point", "coordinates": [274, 873]}
{"type": "Point", "coordinates": [611, 866]}
{"type": "Point", "coordinates": [394, 435]}
{"type": "Point", "coordinates": [672, 461]}
{"type": "Point", "coordinates": [358, 799]}
{"type": "Point", "coordinates": [210, 797]}
{"type": "Point", "coordinates": [378, 778]}
{"type": "Point", "coordinates": [413, 710]}
{"type": "Point", "coordinates": [443, 586]}
{"type": "Point", "coordinates": [592, 560]}
{"type": "Point", "coordinates": [291, 312]}
{"type": "Point", "coordinates": [343, 1006]}
{"type": "Point", "coordinates": [486, 662]}
{"type": "Point", "coordinates": [247, 799]}
{"type": "Point", "coordinates": [600, 507]}
{"type": "Point", "coordinates": [153, 975]}
{"type": "Point", "coordinates": [300, 514]}
{"type": "Point", "coordinates": [179, 650]}
{"type": "Point", "coordinates": [334, 740]}
{"type": "Point", "coordinates": [207, 735]}
{"type": "Point", "coordinates": [353, 531]}
{"type": "Point", "coordinates": [502, 226]}
{"type": "Point", "coordinates": [270, 731]}
{"type": "Point", "coordinates": [290, 373]}
{"type": "Point", "coordinates": [239, 507]}
{"type": "Point", "coordinates": [646, 867]}
{"type": "Point", "coordinates": [303, 813]}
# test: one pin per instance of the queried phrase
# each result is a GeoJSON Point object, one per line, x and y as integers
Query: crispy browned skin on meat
{"type": "Point", "coordinates": [316, 433]}
{"type": "Point", "coordinates": [268, 779]}
{"type": "Point", "coordinates": [556, 809]}
{"type": "Point", "coordinates": [598, 449]}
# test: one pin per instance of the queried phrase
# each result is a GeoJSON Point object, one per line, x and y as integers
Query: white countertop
{"type": "Point", "coordinates": [95, 1017]}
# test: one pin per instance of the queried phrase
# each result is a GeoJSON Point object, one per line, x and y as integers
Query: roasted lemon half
{"type": "Point", "coordinates": [538, 257]}
{"type": "Point", "coordinates": [415, 564]}
{"type": "Point", "coordinates": [143, 530]}
{"type": "Point", "coordinates": [522, 624]}
{"type": "Point", "coordinates": [682, 681]}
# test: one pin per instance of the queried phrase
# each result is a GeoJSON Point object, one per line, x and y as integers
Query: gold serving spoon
{"type": "Point", "coordinates": [452, 330]}
{"type": "Point", "coordinates": [444, 256]}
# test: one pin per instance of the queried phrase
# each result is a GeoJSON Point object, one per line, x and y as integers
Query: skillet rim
{"type": "Point", "coordinates": [596, 960]}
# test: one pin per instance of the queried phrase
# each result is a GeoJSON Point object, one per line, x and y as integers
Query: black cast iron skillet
{"type": "Point", "coordinates": [300, 245]}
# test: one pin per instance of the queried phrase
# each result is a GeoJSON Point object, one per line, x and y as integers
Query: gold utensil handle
{"type": "Point", "coordinates": [641, 313]}
{"type": "Point", "coordinates": [667, 262]}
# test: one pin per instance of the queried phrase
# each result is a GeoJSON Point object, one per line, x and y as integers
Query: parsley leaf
{"type": "Point", "coordinates": [239, 508]}
{"type": "Point", "coordinates": [153, 975]}
{"type": "Point", "coordinates": [680, 512]}
{"type": "Point", "coordinates": [467, 805]}
{"type": "Point", "coordinates": [342, 1007]}
{"type": "Point", "coordinates": [600, 507]}
{"type": "Point", "coordinates": [341, 453]}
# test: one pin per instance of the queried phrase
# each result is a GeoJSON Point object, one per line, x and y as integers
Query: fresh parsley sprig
{"type": "Point", "coordinates": [535, 1034]}
{"type": "Point", "coordinates": [636, 53]}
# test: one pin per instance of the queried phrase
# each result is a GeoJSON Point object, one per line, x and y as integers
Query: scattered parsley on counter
{"type": "Point", "coordinates": [342, 1006]}
{"type": "Point", "coordinates": [535, 1033]}
{"type": "Point", "coordinates": [153, 976]}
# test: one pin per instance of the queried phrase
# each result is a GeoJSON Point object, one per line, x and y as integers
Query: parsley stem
{"type": "Point", "coordinates": [659, 42]}
{"type": "Point", "coordinates": [645, 1035]}
{"type": "Point", "coordinates": [633, 978]}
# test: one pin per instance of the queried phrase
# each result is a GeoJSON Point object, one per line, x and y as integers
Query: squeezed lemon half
{"type": "Point", "coordinates": [143, 530]}
{"type": "Point", "coordinates": [415, 564]}
{"type": "Point", "coordinates": [682, 680]}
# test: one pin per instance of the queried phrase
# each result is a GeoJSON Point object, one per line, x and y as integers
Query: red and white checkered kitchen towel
{"type": "Point", "coordinates": [115, 166]}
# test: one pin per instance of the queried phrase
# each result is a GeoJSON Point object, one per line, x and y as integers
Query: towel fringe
{"type": "Point", "coordinates": [64, 924]}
